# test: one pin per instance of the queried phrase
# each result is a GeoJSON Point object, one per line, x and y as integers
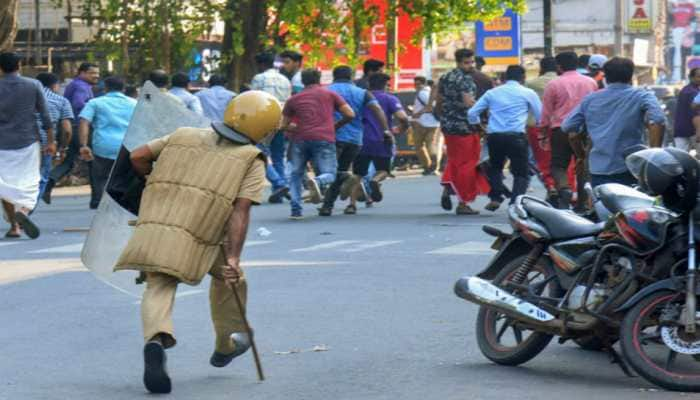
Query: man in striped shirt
{"type": "Point", "coordinates": [61, 114]}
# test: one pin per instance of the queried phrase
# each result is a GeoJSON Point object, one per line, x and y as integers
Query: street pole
{"type": "Point", "coordinates": [37, 32]}
{"type": "Point", "coordinates": [619, 23]}
{"type": "Point", "coordinates": [548, 37]}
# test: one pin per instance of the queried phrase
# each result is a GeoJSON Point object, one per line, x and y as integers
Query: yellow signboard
{"type": "Point", "coordinates": [639, 16]}
{"type": "Point", "coordinates": [499, 24]}
{"type": "Point", "coordinates": [498, 43]}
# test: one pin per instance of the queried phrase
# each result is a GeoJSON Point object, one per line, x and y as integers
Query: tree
{"type": "Point", "coordinates": [8, 23]}
{"type": "Point", "coordinates": [244, 37]}
{"type": "Point", "coordinates": [442, 15]}
{"type": "Point", "coordinates": [142, 35]}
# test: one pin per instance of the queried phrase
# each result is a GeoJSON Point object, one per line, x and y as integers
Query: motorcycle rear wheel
{"type": "Point", "coordinates": [646, 351]}
{"type": "Point", "coordinates": [490, 336]}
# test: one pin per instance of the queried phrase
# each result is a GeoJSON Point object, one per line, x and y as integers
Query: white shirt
{"type": "Point", "coordinates": [426, 119]}
{"type": "Point", "coordinates": [273, 82]}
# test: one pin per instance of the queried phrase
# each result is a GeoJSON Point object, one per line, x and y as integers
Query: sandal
{"type": "Point", "coordinates": [466, 210]}
{"type": "Point", "coordinates": [27, 225]}
{"type": "Point", "coordinates": [350, 210]}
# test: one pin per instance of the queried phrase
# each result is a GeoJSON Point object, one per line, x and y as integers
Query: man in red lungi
{"type": "Point", "coordinates": [455, 94]}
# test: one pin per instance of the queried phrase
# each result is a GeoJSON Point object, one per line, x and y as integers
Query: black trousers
{"type": "Point", "coordinates": [514, 147]}
{"type": "Point", "coordinates": [99, 175]}
{"type": "Point", "coordinates": [346, 154]}
{"type": "Point", "coordinates": [361, 166]}
{"type": "Point", "coordinates": [72, 153]}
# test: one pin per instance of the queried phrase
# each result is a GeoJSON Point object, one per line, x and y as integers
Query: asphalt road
{"type": "Point", "coordinates": [374, 291]}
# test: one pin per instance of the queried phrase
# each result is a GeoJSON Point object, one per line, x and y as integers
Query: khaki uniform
{"type": "Point", "coordinates": [182, 220]}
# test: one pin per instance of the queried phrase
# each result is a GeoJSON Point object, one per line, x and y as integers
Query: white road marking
{"type": "Point", "coordinates": [20, 270]}
{"type": "Point", "coordinates": [370, 245]}
{"type": "Point", "coordinates": [70, 248]}
{"type": "Point", "coordinates": [251, 243]}
{"type": "Point", "coordinates": [177, 294]}
{"type": "Point", "coordinates": [326, 246]}
{"type": "Point", "coordinates": [290, 263]}
{"type": "Point", "coordinates": [7, 243]}
{"type": "Point", "coordinates": [465, 248]}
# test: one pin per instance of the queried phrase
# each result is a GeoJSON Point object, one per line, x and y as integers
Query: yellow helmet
{"type": "Point", "coordinates": [250, 117]}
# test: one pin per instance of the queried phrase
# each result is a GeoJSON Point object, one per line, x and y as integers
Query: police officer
{"type": "Point", "coordinates": [193, 220]}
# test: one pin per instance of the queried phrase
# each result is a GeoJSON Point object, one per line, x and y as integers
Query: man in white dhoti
{"type": "Point", "coordinates": [20, 100]}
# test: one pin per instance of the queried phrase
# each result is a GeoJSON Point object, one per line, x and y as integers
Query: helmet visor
{"type": "Point", "coordinates": [661, 159]}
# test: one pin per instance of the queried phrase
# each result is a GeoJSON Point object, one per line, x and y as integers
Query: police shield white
{"type": "Point", "coordinates": [156, 115]}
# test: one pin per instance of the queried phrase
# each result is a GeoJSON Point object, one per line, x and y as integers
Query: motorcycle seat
{"type": "Point", "coordinates": [562, 224]}
{"type": "Point", "coordinates": [616, 197]}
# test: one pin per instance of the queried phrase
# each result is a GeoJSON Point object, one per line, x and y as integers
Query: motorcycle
{"type": "Point", "coordinates": [560, 274]}
{"type": "Point", "coordinates": [659, 335]}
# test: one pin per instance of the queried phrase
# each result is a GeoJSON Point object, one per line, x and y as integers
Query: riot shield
{"type": "Point", "coordinates": [156, 115]}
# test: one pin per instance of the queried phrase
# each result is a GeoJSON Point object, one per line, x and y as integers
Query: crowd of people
{"type": "Point", "coordinates": [568, 126]}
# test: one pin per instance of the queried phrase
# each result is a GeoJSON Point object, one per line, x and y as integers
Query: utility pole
{"type": "Point", "coordinates": [37, 32]}
{"type": "Point", "coordinates": [548, 37]}
{"type": "Point", "coordinates": [619, 26]}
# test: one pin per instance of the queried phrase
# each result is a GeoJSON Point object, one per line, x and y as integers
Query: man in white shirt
{"type": "Point", "coordinates": [270, 80]}
{"type": "Point", "coordinates": [181, 83]}
{"type": "Point", "coordinates": [291, 68]}
{"type": "Point", "coordinates": [425, 128]}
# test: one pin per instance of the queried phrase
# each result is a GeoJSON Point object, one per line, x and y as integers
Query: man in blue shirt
{"type": "Point", "coordinates": [349, 137]}
{"type": "Point", "coordinates": [215, 99]}
{"type": "Point", "coordinates": [109, 116]}
{"type": "Point", "coordinates": [78, 92]}
{"type": "Point", "coordinates": [61, 114]}
{"type": "Point", "coordinates": [181, 83]}
{"type": "Point", "coordinates": [615, 119]}
{"type": "Point", "coordinates": [509, 106]}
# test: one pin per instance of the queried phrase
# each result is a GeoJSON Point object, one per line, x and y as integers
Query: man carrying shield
{"type": "Point", "coordinates": [193, 220]}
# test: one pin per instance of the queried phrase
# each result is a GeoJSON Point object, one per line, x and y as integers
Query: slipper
{"type": "Point", "coordinates": [10, 235]}
{"type": "Point", "coordinates": [27, 225]}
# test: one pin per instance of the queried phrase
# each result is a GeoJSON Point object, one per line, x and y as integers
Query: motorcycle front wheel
{"type": "Point", "coordinates": [502, 339]}
{"type": "Point", "coordinates": [662, 353]}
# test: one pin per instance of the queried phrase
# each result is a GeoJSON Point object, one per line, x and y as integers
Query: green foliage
{"type": "Point", "coordinates": [141, 34]}
{"type": "Point", "coordinates": [444, 15]}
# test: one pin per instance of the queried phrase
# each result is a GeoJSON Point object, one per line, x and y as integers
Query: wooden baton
{"type": "Point", "coordinates": [256, 357]}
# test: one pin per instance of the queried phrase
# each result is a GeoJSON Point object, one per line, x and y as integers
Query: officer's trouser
{"type": "Point", "coordinates": [159, 298]}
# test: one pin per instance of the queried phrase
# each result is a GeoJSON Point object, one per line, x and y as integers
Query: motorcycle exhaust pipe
{"type": "Point", "coordinates": [482, 292]}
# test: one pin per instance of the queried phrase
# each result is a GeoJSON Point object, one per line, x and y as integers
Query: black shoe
{"type": "Point", "coordinates": [47, 191]}
{"type": "Point", "coordinates": [493, 205]}
{"type": "Point", "coordinates": [278, 195]}
{"type": "Point", "coordinates": [325, 211]}
{"type": "Point", "coordinates": [241, 342]}
{"type": "Point", "coordinates": [446, 202]}
{"type": "Point", "coordinates": [155, 375]}
{"type": "Point", "coordinates": [376, 191]}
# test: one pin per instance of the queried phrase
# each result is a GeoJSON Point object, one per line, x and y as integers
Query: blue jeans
{"type": "Point", "coordinates": [322, 155]}
{"type": "Point", "coordinates": [275, 172]}
{"type": "Point", "coordinates": [278, 148]}
{"type": "Point", "coordinates": [45, 170]}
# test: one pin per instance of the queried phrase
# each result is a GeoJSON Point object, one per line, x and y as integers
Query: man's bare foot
{"type": "Point", "coordinates": [14, 232]}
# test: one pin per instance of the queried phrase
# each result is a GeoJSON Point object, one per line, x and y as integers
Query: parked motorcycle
{"type": "Point", "coordinates": [659, 336]}
{"type": "Point", "coordinates": [561, 274]}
